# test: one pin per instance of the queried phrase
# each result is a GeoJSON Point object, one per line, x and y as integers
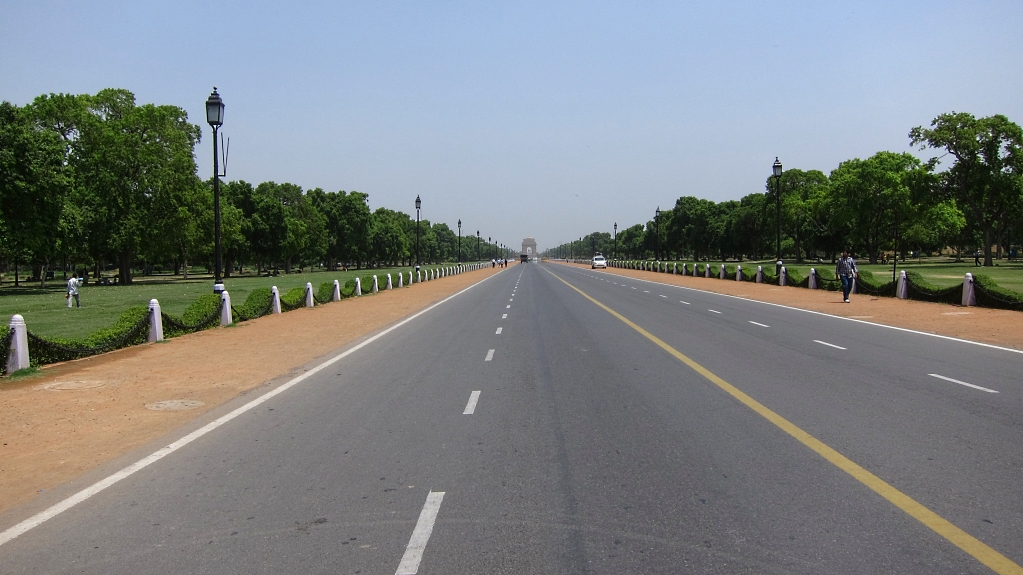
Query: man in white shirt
{"type": "Point", "coordinates": [72, 291]}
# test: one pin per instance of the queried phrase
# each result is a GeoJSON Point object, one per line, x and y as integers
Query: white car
{"type": "Point", "coordinates": [598, 262]}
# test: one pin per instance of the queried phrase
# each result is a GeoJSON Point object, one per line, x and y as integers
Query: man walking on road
{"type": "Point", "coordinates": [846, 271]}
{"type": "Point", "coordinates": [72, 291]}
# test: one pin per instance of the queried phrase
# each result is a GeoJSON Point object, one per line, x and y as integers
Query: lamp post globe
{"type": "Point", "coordinates": [215, 118]}
{"type": "Point", "coordinates": [459, 242]}
{"type": "Point", "coordinates": [776, 171]}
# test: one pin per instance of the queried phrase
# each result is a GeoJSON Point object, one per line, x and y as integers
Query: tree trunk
{"type": "Point", "coordinates": [987, 247]}
{"type": "Point", "coordinates": [124, 269]}
{"type": "Point", "coordinates": [184, 267]}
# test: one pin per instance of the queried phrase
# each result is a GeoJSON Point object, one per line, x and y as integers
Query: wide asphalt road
{"type": "Point", "coordinates": [556, 420]}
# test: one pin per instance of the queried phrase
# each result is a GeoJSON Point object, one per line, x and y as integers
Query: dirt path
{"type": "Point", "coordinates": [994, 326]}
{"type": "Point", "coordinates": [78, 415]}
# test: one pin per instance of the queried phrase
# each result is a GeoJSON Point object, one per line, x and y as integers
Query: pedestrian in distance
{"type": "Point", "coordinates": [976, 258]}
{"type": "Point", "coordinates": [847, 272]}
{"type": "Point", "coordinates": [72, 291]}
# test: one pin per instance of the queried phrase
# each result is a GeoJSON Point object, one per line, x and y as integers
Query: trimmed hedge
{"type": "Point", "coordinates": [990, 294]}
{"type": "Point", "coordinates": [131, 328]}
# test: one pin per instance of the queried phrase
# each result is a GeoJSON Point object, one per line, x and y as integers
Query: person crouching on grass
{"type": "Point", "coordinates": [847, 272]}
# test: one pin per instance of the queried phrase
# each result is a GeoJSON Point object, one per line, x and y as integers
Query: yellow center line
{"type": "Point", "coordinates": [961, 539]}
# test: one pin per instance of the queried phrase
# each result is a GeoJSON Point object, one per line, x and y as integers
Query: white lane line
{"type": "Point", "coordinates": [490, 355]}
{"type": "Point", "coordinates": [828, 344]}
{"type": "Point", "coordinates": [470, 407]}
{"type": "Point", "coordinates": [685, 302]}
{"type": "Point", "coordinates": [962, 383]}
{"type": "Point", "coordinates": [713, 311]}
{"type": "Point", "coordinates": [505, 316]}
{"type": "Point", "coordinates": [159, 454]}
{"type": "Point", "coordinates": [499, 331]}
{"type": "Point", "coordinates": [507, 306]}
{"type": "Point", "coordinates": [420, 535]}
{"type": "Point", "coordinates": [758, 323]}
{"type": "Point", "coordinates": [664, 296]}
{"type": "Point", "coordinates": [646, 291]}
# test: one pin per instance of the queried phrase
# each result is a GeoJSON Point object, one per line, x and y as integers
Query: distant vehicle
{"type": "Point", "coordinates": [523, 258]}
{"type": "Point", "coordinates": [598, 262]}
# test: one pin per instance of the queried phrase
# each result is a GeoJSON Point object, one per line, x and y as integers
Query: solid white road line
{"type": "Point", "coordinates": [499, 331]}
{"type": "Point", "coordinates": [828, 344]}
{"type": "Point", "coordinates": [760, 324]}
{"type": "Point", "coordinates": [962, 383]}
{"type": "Point", "coordinates": [420, 535]}
{"type": "Point", "coordinates": [504, 316]}
{"type": "Point", "coordinates": [471, 406]}
{"type": "Point", "coordinates": [159, 454]}
{"type": "Point", "coordinates": [490, 355]}
{"type": "Point", "coordinates": [713, 311]}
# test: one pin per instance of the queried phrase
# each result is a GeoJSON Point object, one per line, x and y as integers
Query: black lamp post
{"type": "Point", "coordinates": [614, 256]}
{"type": "Point", "coordinates": [490, 247]}
{"type": "Point", "coordinates": [479, 254]}
{"type": "Point", "coordinates": [459, 242]}
{"type": "Point", "coordinates": [419, 204]}
{"type": "Point", "coordinates": [657, 233]}
{"type": "Point", "coordinates": [777, 211]}
{"type": "Point", "coordinates": [215, 118]}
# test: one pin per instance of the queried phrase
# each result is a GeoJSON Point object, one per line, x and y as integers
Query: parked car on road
{"type": "Point", "coordinates": [598, 262]}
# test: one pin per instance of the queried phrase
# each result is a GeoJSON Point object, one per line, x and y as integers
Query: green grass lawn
{"type": "Point", "coordinates": [940, 271]}
{"type": "Point", "coordinates": [46, 313]}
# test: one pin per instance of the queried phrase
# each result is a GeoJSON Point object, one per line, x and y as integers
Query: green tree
{"type": "Point", "coordinates": [985, 178]}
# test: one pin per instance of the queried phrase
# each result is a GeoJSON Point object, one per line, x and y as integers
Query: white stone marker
{"type": "Point", "coordinates": [969, 292]}
{"type": "Point", "coordinates": [901, 289]}
{"type": "Point", "coordinates": [738, 273]}
{"type": "Point", "coordinates": [309, 295]}
{"type": "Point", "coordinates": [358, 286]}
{"type": "Point", "coordinates": [155, 322]}
{"type": "Point", "coordinates": [336, 296]}
{"type": "Point", "coordinates": [226, 317]}
{"type": "Point", "coordinates": [813, 278]}
{"type": "Point", "coordinates": [376, 285]}
{"type": "Point", "coordinates": [781, 280]}
{"type": "Point", "coordinates": [275, 294]}
{"type": "Point", "coordinates": [17, 356]}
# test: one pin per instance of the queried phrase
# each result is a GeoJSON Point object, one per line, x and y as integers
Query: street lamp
{"type": "Point", "coordinates": [419, 204]}
{"type": "Point", "coordinates": [479, 254]}
{"type": "Point", "coordinates": [657, 234]}
{"type": "Point", "coordinates": [777, 211]}
{"type": "Point", "coordinates": [614, 256]}
{"type": "Point", "coordinates": [215, 118]}
{"type": "Point", "coordinates": [490, 247]}
{"type": "Point", "coordinates": [459, 242]}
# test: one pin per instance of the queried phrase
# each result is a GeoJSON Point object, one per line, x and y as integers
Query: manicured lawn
{"type": "Point", "coordinates": [46, 313]}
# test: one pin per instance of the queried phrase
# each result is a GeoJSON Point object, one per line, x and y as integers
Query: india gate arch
{"type": "Point", "coordinates": [529, 248]}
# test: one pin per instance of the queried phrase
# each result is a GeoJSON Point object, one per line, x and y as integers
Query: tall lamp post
{"type": "Point", "coordinates": [777, 212]}
{"type": "Point", "coordinates": [419, 204]}
{"type": "Point", "coordinates": [657, 233]}
{"type": "Point", "coordinates": [215, 118]}
{"type": "Point", "coordinates": [614, 256]}
{"type": "Point", "coordinates": [459, 242]}
{"type": "Point", "coordinates": [490, 247]}
{"type": "Point", "coordinates": [479, 254]}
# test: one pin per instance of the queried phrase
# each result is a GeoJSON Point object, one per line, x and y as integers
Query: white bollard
{"type": "Point", "coordinates": [376, 286]}
{"type": "Point", "coordinates": [275, 294]}
{"type": "Point", "coordinates": [674, 269]}
{"type": "Point", "coordinates": [738, 273]}
{"type": "Point", "coordinates": [155, 322]}
{"type": "Point", "coordinates": [901, 289]}
{"type": "Point", "coordinates": [969, 293]}
{"type": "Point", "coordinates": [309, 295]}
{"type": "Point", "coordinates": [760, 274]}
{"type": "Point", "coordinates": [226, 317]}
{"type": "Point", "coordinates": [17, 356]}
{"type": "Point", "coordinates": [813, 278]}
{"type": "Point", "coordinates": [358, 286]}
{"type": "Point", "coordinates": [410, 278]}
{"type": "Point", "coordinates": [721, 272]}
{"type": "Point", "coordinates": [389, 286]}
{"type": "Point", "coordinates": [336, 296]}
{"type": "Point", "coordinates": [781, 279]}
{"type": "Point", "coordinates": [401, 279]}
{"type": "Point", "coordinates": [419, 277]}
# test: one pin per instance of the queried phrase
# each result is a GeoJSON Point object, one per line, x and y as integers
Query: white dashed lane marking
{"type": "Point", "coordinates": [499, 331]}
{"type": "Point", "coordinates": [420, 535]}
{"type": "Point", "coordinates": [758, 323]}
{"type": "Point", "coordinates": [962, 383]}
{"type": "Point", "coordinates": [490, 355]}
{"type": "Point", "coordinates": [685, 302]}
{"type": "Point", "coordinates": [505, 316]}
{"type": "Point", "coordinates": [713, 311]}
{"type": "Point", "coordinates": [470, 407]}
{"type": "Point", "coordinates": [828, 344]}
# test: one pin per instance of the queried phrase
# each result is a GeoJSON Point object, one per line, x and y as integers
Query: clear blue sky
{"type": "Point", "coordinates": [547, 119]}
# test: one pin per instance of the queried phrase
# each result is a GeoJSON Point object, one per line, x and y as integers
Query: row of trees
{"type": "Point", "coordinates": [969, 198]}
{"type": "Point", "coordinates": [92, 181]}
